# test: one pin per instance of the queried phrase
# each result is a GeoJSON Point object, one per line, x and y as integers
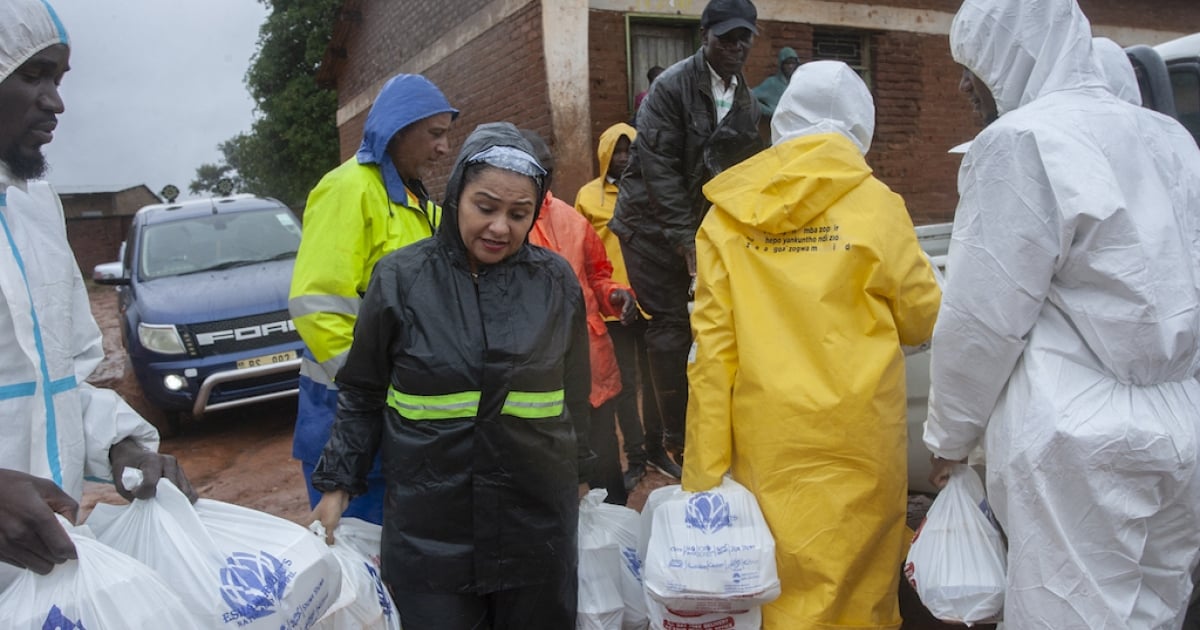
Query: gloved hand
{"type": "Point", "coordinates": [625, 301]}
{"type": "Point", "coordinates": [30, 535]}
{"type": "Point", "coordinates": [129, 454]}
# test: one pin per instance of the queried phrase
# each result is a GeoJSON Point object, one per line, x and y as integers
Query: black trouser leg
{"type": "Point", "coordinates": [602, 437]}
{"type": "Point", "coordinates": [662, 290]}
{"type": "Point", "coordinates": [671, 387]}
{"type": "Point", "coordinates": [624, 340]}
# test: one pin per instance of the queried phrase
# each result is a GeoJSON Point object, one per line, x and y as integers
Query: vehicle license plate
{"type": "Point", "coordinates": [269, 359]}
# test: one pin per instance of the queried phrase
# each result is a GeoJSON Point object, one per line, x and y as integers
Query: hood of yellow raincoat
{"type": "Point", "coordinates": [785, 187]}
{"type": "Point", "coordinates": [1023, 50]}
{"type": "Point", "coordinates": [608, 144]}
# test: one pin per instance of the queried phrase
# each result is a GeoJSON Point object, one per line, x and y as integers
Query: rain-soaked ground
{"type": "Point", "coordinates": [244, 456]}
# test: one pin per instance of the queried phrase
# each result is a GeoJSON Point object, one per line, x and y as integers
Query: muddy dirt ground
{"type": "Point", "coordinates": [244, 456]}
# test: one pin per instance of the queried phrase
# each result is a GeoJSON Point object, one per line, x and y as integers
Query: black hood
{"type": "Point", "coordinates": [483, 137]}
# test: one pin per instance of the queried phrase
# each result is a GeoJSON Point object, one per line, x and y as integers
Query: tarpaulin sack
{"type": "Point", "coordinates": [103, 589]}
{"type": "Point", "coordinates": [611, 596]}
{"type": "Point", "coordinates": [363, 602]}
{"type": "Point", "coordinates": [663, 618]}
{"type": "Point", "coordinates": [957, 561]}
{"type": "Point", "coordinates": [710, 551]}
{"type": "Point", "coordinates": [235, 567]}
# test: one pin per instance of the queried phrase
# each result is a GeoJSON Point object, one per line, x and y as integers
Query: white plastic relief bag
{"type": "Point", "coordinates": [611, 596]}
{"type": "Point", "coordinates": [364, 601]}
{"type": "Point", "coordinates": [233, 566]}
{"type": "Point", "coordinates": [957, 560]}
{"type": "Point", "coordinates": [663, 618]}
{"type": "Point", "coordinates": [102, 589]}
{"type": "Point", "coordinates": [709, 551]}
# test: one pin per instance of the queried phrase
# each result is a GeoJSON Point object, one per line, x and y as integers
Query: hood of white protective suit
{"type": "Point", "coordinates": [1116, 70]}
{"type": "Point", "coordinates": [825, 97]}
{"type": "Point", "coordinates": [1024, 50]}
{"type": "Point", "coordinates": [787, 186]}
{"type": "Point", "coordinates": [26, 28]}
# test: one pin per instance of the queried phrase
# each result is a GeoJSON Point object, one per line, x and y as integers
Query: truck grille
{"type": "Point", "coordinates": [235, 335]}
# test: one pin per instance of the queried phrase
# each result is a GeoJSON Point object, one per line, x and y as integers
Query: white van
{"type": "Point", "coordinates": [1182, 57]}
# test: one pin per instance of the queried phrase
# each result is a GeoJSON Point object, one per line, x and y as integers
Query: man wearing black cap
{"type": "Point", "coordinates": [699, 119]}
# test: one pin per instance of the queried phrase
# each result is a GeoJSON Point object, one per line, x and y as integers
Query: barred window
{"type": "Point", "coordinates": [851, 47]}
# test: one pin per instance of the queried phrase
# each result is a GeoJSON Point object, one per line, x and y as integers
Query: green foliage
{"type": "Point", "coordinates": [207, 176]}
{"type": "Point", "coordinates": [294, 140]}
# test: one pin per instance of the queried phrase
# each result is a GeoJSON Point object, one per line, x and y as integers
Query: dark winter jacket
{"type": "Point", "coordinates": [475, 389]}
{"type": "Point", "coordinates": [679, 147]}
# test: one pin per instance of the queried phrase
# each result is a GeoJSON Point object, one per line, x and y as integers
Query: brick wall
{"type": "Point", "coordinates": [920, 113]}
{"type": "Point", "coordinates": [390, 32]}
{"type": "Point", "coordinates": [500, 75]}
{"type": "Point", "coordinates": [608, 75]}
{"type": "Point", "coordinates": [1169, 15]}
{"type": "Point", "coordinates": [96, 241]}
{"type": "Point", "coordinates": [919, 116]}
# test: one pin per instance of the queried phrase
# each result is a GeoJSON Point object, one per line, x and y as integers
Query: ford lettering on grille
{"type": "Point", "coordinates": [246, 332]}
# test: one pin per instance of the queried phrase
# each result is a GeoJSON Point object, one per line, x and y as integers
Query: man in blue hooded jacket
{"type": "Point", "coordinates": [368, 206]}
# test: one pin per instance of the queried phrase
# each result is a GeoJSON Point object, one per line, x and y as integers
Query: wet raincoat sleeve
{"type": "Point", "coordinates": [1003, 253]}
{"type": "Point", "coordinates": [600, 272]}
{"type": "Point", "coordinates": [711, 371]}
{"type": "Point", "coordinates": [662, 134]}
{"type": "Point", "coordinates": [357, 432]}
{"type": "Point", "coordinates": [577, 387]}
{"type": "Point", "coordinates": [908, 282]}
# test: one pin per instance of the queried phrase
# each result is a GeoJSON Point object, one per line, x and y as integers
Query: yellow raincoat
{"type": "Point", "coordinates": [810, 278]}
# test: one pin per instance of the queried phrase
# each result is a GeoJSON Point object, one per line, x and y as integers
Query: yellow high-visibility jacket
{"type": "Point", "coordinates": [810, 278]}
{"type": "Point", "coordinates": [349, 224]}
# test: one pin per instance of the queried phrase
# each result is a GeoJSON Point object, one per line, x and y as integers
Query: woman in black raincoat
{"type": "Point", "coordinates": [469, 372]}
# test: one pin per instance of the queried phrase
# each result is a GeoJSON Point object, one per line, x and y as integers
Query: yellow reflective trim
{"type": "Point", "coordinates": [533, 404]}
{"type": "Point", "coordinates": [439, 407]}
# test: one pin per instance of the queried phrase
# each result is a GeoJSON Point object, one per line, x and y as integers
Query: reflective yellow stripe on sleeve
{"type": "Point", "coordinates": [441, 407]}
{"type": "Point", "coordinates": [530, 405]}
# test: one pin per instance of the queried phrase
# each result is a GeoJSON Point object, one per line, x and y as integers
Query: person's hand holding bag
{"type": "Point", "coordinates": [30, 536]}
{"type": "Point", "coordinates": [329, 511]}
{"type": "Point", "coordinates": [957, 561]}
{"type": "Point", "coordinates": [153, 465]}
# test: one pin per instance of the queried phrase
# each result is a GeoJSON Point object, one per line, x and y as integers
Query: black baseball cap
{"type": "Point", "coordinates": [722, 16]}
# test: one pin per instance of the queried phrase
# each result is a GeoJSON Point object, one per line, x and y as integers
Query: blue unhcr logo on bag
{"type": "Point", "coordinates": [383, 599]}
{"type": "Point", "coordinates": [631, 562]}
{"type": "Point", "coordinates": [253, 585]}
{"type": "Point", "coordinates": [708, 512]}
{"type": "Point", "coordinates": [56, 620]}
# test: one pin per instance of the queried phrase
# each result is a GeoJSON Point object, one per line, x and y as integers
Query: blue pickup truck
{"type": "Point", "coordinates": [203, 290]}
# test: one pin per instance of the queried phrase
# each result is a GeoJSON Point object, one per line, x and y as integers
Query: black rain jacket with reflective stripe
{"type": "Point", "coordinates": [474, 389]}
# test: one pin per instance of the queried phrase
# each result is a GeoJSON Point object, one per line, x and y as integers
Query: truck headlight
{"type": "Point", "coordinates": [161, 339]}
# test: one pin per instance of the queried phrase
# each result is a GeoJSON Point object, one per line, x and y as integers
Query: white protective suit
{"type": "Point", "coordinates": [1116, 70]}
{"type": "Point", "coordinates": [1069, 335]}
{"type": "Point", "coordinates": [54, 425]}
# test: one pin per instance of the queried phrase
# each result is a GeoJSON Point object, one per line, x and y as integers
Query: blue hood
{"type": "Point", "coordinates": [404, 100]}
{"type": "Point", "coordinates": [216, 295]}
